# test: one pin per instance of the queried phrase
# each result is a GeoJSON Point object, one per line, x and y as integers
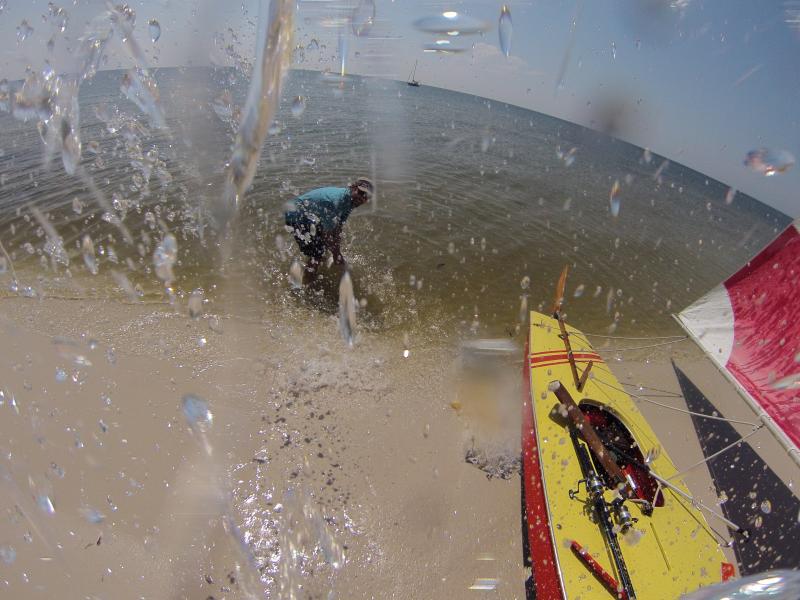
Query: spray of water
{"type": "Point", "coordinates": [272, 60]}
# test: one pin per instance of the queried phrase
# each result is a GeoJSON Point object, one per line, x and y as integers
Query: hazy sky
{"type": "Point", "coordinates": [699, 82]}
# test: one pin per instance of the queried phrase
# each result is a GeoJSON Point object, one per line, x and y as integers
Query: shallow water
{"type": "Point", "coordinates": [473, 196]}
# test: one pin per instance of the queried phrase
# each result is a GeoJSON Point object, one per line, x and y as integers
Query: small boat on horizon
{"type": "Point", "coordinates": [411, 81]}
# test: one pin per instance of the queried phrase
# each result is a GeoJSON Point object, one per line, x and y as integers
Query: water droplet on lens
{"type": "Point", "coordinates": [451, 23]}
{"type": "Point", "coordinates": [790, 382]}
{"type": "Point", "coordinates": [579, 290]}
{"type": "Point", "coordinates": [363, 17]}
{"type": "Point", "coordinates": [614, 199]}
{"type": "Point", "coordinates": [769, 162]}
{"type": "Point", "coordinates": [766, 507]}
{"type": "Point", "coordinates": [197, 413]}
{"type": "Point", "coordinates": [525, 283]}
{"type": "Point", "coordinates": [296, 274]}
{"type": "Point", "coordinates": [164, 258]}
{"type": "Point", "coordinates": [23, 31]}
{"type": "Point", "coordinates": [92, 515]}
{"type": "Point", "coordinates": [504, 29]}
{"type": "Point", "coordinates": [274, 128]}
{"type": "Point", "coordinates": [61, 375]}
{"type": "Point", "coordinates": [195, 304]}
{"type": "Point", "coordinates": [87, 249]}
{"type": "Point", "coordinates": [7, 554]}
{"type": "Point", "coordinates": [298, 106]}
{"type": "Point", "coordinates": [443, 47]}
{"type": "Point", "coordinates": [45, 504]}
{"type": "Point", "coordinates": [347, 309]}
{"type": "Point", "coordinates": [729, 195]}
{"type": "Point", "coordinates": [154, 27]}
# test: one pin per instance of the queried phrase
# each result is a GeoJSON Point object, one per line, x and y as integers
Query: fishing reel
{"type": "Point", "coordinates": [594, 489]}
{"type": "Point", "coordinates": [624, 518]}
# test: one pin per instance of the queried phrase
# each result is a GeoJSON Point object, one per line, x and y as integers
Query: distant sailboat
{"type": "Point", "coordinates": [411, 81]}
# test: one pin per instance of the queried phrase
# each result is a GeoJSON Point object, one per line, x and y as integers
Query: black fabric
{"type": "Point", "coordinates": [749, 484]}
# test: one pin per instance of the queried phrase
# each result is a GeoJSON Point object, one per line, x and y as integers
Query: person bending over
{"type": "Point", "coordinates": [316, 219]}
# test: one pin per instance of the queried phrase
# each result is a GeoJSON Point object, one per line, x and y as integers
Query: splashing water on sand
{"type": "Point", "coordinates": [304, 534]}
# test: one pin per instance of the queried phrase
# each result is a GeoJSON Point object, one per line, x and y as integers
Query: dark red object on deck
{"type": "Point", "coordinates": [598, 570]}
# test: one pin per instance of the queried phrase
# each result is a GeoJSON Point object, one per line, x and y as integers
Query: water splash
{"type": "Point", "coordinates": [568, 157]}
{"type": "Point", "coordinates": [154, 28]}
{"type": "Point", "coordinates": [272, 59]}
{"type": "Point", "coordinates": [774, 585]}
{"type": "Point", "coordinates": [89, 258]}
{"type": "Point", "coordinates": [504, 29]}
{"type": "Point", "coordinates": [52, 101]}
{"type": "Point", "coordinates": [24, 31]}
{"type": "Point", "coordinates": [298, 106]}
{"type": "Point", "coordinates": [54, 246]}
{"type": "Point", "coordinates": [347, 309]}
{"type": "Point", "coordinates": [164, 258]}
{"type": "Point", "coordinates": [199, 418]}
{"type": "Point", "coordinates": [363, 17]}
{"type": "Point", "coordinates": [125, 285]}
{"type": "Point", "coordinates": [195, 304]}
{"type": "Point", "coordinates": [614, 200]}
{"type": "Point", "coordinates": [342, 54]}
{"type": "Point", "coordinates": [660, 170]}
{"type": "Point", "coordinates": [296, 274]}
{"type": "Point", "coordinates": [304, 534]}
{"type": "Point", "coordinates": [139, 87]}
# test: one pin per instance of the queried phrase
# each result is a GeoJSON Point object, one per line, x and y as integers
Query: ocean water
{"type": "Point", "coordinates": [479, 206]}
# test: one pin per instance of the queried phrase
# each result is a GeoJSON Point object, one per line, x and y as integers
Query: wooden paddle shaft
{"type": "Point", "coordinates": [589, 435]}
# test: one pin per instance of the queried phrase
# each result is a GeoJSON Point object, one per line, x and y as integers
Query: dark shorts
{"type": "Point", "coordinates": [307, 238]}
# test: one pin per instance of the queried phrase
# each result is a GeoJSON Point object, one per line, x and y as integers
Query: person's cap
{"type": "Point", "coordinates": [364, 185]}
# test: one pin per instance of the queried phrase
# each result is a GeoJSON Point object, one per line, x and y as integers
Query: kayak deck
{"type": "Point", "coordinates": [669, 552]}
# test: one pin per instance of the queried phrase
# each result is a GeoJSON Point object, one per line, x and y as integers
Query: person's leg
{"type": "Point", "coordinates": [312, 247]}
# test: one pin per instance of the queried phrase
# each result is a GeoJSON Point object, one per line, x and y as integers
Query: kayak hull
{"type": "Point", "coordinates": [669, 552]}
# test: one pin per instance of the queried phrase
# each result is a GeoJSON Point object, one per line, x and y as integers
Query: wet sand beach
{"type": "Point", "coordinates": [365, 438]}
{"type": "Point", "coordinates": [353, 458]}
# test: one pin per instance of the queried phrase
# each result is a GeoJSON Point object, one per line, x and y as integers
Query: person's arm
{"type": "Point", "coordinates": [333, 241]}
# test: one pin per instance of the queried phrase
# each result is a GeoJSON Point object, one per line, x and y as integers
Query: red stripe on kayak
{"type": "Point", "coordinates": [561, 362]}
{"type": "Point", "coordinates": [540, 543]}
{"type": "Point", "coordinates": [556, 352]}
{"type": "Point", "coordinates": [563, 356]}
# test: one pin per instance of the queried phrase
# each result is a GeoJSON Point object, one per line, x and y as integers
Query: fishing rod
{"type": "Point", "coordinates": [595, 487]}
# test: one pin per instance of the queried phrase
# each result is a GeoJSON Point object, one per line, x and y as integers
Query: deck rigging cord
{"type": "Point", "coordinates": [718, 452]}
{"type": "Point", "coordinates": [621, 337]}
{"type": "Point", "coordinates": [665, 483]}
{"type": "Point", "coordinates": [658, 345]}
{"type": "Point", "coordinates": [678, 409]}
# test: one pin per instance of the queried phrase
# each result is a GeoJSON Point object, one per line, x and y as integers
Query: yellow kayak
{"type": "Point", "coordinates": [600, 525]}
